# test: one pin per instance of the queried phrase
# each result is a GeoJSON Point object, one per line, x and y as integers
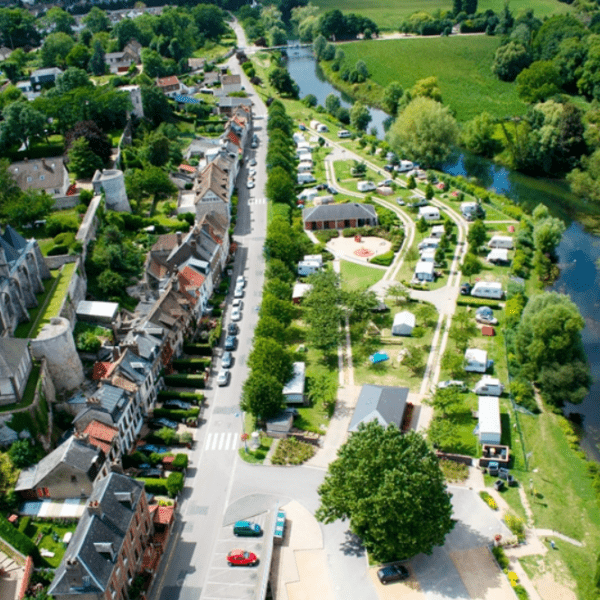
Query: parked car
{"type": "Point", "coordinates": [239, 292]}
{"type": "Point", "coordinates": [332, 190]}
{"type": "Point", "coordinates": [385, 182]}
{"type": "Point", "coordinates": [236, 314]}
{"type": "Point", "coordinates": [232, 329]}
{"type": "Point", "coordinates": [151, 473]}
{"type": "Point", "coordinates": [392, 573]}
{"type": "Point", "coordinates": [162, 422]}
{"type": "Point", "coordinates": [223, 377]}
{"type": "Point", "coordinates": [153, 449]}
{"type": "Point", "coordinates": [465, 288]}
{"type": "Point", "coordinates": [302, 127]}
{"type": "Point", "coordinates": [251, 172]}
{"type": "Point", "coordinates": [238, 303]}
{"type": "Point", "coordinates": [254, 144]}
{"type": "Point", "coordinates": [452, 383]}
{"type": "Point", "coordinates": [400, 202]}
{"type": "Point", "coordinates": [227, 360]}
{"type": "Point", "coordinates": [388, 168]}
{"type": "Point", "coordinates": [250, 184]}
{"type": "Point", "coordinates": [252, 162]}
{"type": "Point", "coordinates": [321, 186]}
{"type": "Point", "coordinates": [177, 404]}
{"type": "Point", "coordinates": [240, 281]}
{"type": "Point", "coordinates": [420, 203]}
{"type": "Point", "coordinates": [241, 558]}
{"type": "Point", "coordinates": [247, 529]}
{"type": "Point", "coordinates": [230, 342]}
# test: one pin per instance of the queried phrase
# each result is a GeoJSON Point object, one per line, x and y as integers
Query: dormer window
{"type": "Point", "coordinates": [29, 179]}
{"type": "Point", "coordinates": [42, 177]}
{"type": "Point", "coordinates": [35, 167]}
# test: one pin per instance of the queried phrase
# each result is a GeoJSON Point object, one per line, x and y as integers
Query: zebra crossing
{"type": "Point", "coordinates": [221, 441]}
{"type": "Point", "coordinates": [257, 201]}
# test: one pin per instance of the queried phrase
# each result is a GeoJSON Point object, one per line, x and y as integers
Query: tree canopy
{"type": "Point", "coordinates": [390, 486]}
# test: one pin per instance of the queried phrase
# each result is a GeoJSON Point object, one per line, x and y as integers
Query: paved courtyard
{"type": "Point", "coordinates": [369, 246]}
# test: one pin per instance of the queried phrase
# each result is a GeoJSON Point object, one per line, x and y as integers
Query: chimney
{"type": "Point", "coordinates": [73, 573]}
{"type": "Point", "coordinates": [116, 467]}
{"type": "Point", "coordinates": [178, 233]}
{"type": "Point", "coordinates": [116, 353]}
{"type": "Point", "coordinates": [94, 508]}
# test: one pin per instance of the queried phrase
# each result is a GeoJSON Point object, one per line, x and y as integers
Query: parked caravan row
{"type": "Point", "coordinates": [319, 126]}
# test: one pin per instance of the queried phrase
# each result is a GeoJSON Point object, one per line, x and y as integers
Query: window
{"type": "Point", "coordinates": [42, 177]}
{"type": "Point", "coordinates": [29, 179]}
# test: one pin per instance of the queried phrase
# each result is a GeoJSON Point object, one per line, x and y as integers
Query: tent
{"type": "Point", "coordinates": [404, 323]}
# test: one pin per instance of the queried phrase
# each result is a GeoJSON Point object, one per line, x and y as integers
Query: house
{"type": "Point", "coordinates": [339, 216]}
{"type": "Point", "coordinates": [476, 360]}
{"type": "Point", "coordinates": [44, 77]}
{"type": "Point", "coordinates": [47, 174]}
{"type": "Point", "coordinates": [228, 105]}
{"type": "Point", "coordinates": [22, 270]}
{"type": "Point", "coordinates": [15, 368]}
{"type": "Point", "coordinates": [404, 323]}
{"type": "Point", "coordinates": [163, 518]}
{"type": "Point", "coordinates": [293, 390]}
{"type": "Point", "coordinates": [384, 404]}
{"type": "Point", "coordinates": [300, 290]}
{"type": "Point", "coordinates": [424, 271]}
{"type": "Point", "coordinates": [231, 83]}
{"type": "Point", "coordinates": [93, 311]}
{"type": "Point", "coordinates": [119, 62]}
{"type": "Point", "coordinates": [106, 549]}
{"type": "Point", "coordinates": [104, 437]}
{"type": "Point", "coordinates": [489, 428]}
{"type": "Point", "coordinates": [69, 471]}
{"type": "Point", "coordinates": [170, 86]}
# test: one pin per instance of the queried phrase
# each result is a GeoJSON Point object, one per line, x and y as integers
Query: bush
{"type": "Point", "coordinates": [58, 250]}
{"type": "Point", "coordinates": [177, 415]}
{"type": "Point", "coordinates": [59, 223]}
{"type": "Point", "coordinates": [326, 236]}
{"type": "Point", "coordinates": [191, 364]}
{"type": "Point", "coordinates": [191, 396]}
{"type": "Point", "coordinates": [292, 452]}
{"type": "Point", "coordinates": [515, 524]}
{"type": "Point", "coordinates": [454, 471]}
{"type": "Point", "coordinates": [488, 500]}
{"type": "Point", "coordinates": [157, 487]}
{"type": "Point", "coordinates": [181, 461]}
{"type": "Point", "coordinates": [197, 349]}
{"type": "Point", "coordinates": [167, 436]}
{"type": "Point", "coordinates": [384, 259]}
{"type": "Point", "coordinates": [88, 342]}
{"type": "Point", "coordinates": [24, 524]}
{"type": "Point", "coordinates": [472, 301]}
{"type": "Point", "coordinates": [18, 540]}
{"type": "Point", "coordinates": [193, 381]}
{"type": "Point", "coordinates": [174, 484]}
{"type": "Point", "coordinates": [501, 557]}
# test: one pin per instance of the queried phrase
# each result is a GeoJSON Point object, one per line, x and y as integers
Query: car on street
{"type": "Point", "coordinates": [254, 144]}
{"type": "Point", "coordinates": [153, 449]}
{"type": "Point", "coordinates": [232, 329]}
{"type": "Point", "coordinates": [223, 377]}
{"type": "Point", "coordinates": [230, 342]}
{"type": "Point", "coordinates": [442, 385]}
{"type": "Point", "coordinates": [392, 573]}
{"type": "Point", "coordinates": [236, 314]}
{"type": "Point", "coordinates": [465, 288]}
{"type": "Point", "coordinates": [177, 404]}
{"type": "Point", "coordinates": [250, 184]}
{"type": "Point", "coordinates": [385, 182]}
{"type": "Point", "coordinates": [240, 281]}
{"type": "Point", "coordinates": [227, 359]}
{"type": "Point", "coordinates": [162, 422]}
{"type": "Point", "coordinates": [252, 162]}
{"type": "Point", "coordinates": [238, 303]}
{"type": "Point", "coordinates": [241, 558]}
{"type": "Point", "coordinates": [247, 529]}
{"type": "Point", "coordinates": [239, 291]}
{"type": "Point", "coordinates": [251, 172]}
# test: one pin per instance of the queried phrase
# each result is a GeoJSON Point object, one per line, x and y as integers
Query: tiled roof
{"type": "Point", "coordinates": [102, 370]}
{"type": "Point", "coordinates": [163, 515]}
{"type": "Point", "coordinates": [124, 384]}
{"type": "Point", "coordinates": [188, 168]}
{"type": "Point", "coordinates": [193, 276]}
{"type": "Point", "coordinates": [167, 81]}
{"type": "Point", "coordinates": [101, 435]}
{"type": "Point", "coordinates": [165, 242]}
{"type": "Point", "coordinates": [214, 179]}
{"type": "Point", "coordinates": [234, 138]}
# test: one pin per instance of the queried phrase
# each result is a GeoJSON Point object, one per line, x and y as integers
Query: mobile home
{"type": "Point", "coordinates": [488, 386]}
{"type": "Point", "coordinates": [471, 210]}
{"type": "Point", "coordinates": [404, 165]}
{"type": "Point", "coordinates": [476, 360]}
{"type": "Point", "coordinates": [424, 271]}
{"type": "Point", "coordinates": [498, 256]}
{"type": "Point", "coordinates": [293, 390]}
{"type": "Point", "coordinates": [428, 255]}
{"type": "Point", "coordinates": [487, 289]}
{"type": "Point", "coordinates": [404, 323]}
{"type": "Point", "coordinates": [304, 178]}
{"type": "Point", "coordinates": [437, 231]}
{"type": "Point", "coordinates": [429, 242]}
{"type": "Point", "coordinates": [365, 186]}
{"type": "Point", "coordinates": [305, 166]}
{"type": "Point", "coordinates": [429, 213]}
{"type": "Point", "coordinates": [308, 267]}
{"type": "Point", "coordinates": [344, 133]}
{"type": "Point", "coordinates": [489, 428]}
{"type": "Point", "coordinates": [501, 241]}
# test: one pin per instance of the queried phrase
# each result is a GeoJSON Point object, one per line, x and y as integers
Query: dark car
{"type": "Point", "coordinates": [465, 288]}
{"type": "Point", "coordinates": [321, 186]}
{"type": "Point", "coordinates": [177, 405]}
{"type": "Point", "coordinates": [153, 449]}
{"type": "Point", "coordinates": [226, 360]}
{"type": "Point", "coordinates": [162, 422]}
{"type": "Point", "coordinates": [332, 190]}
{"type": "Point", "coordinates": [230, 342]}
{"type": "Point", "coordinates": [302, 127]}
{"type": "Point", "coordinates": [151, 473]}
{"type": "Point", "coordinates": [232, 329]}
{"type": "Point", "coordinates": [247, 528]}
{"type": "Point", "coordinates": [388, 168]}
{"type": "Point", "coordinates": [392, 573]}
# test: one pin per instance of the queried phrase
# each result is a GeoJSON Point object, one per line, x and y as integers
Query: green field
{"type": "Point", "coordinates": [388, 15]}
{"type": "Point", "coordinates": [359, 277]}
{"type": "Point", "coordinates": [462, 66]}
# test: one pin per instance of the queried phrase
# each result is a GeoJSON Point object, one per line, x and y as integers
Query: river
{"type": "Point", "coordinates": [578, 252]}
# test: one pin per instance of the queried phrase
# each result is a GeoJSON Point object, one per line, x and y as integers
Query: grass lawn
{"type": "Point", "coordinates": [257, 456]}
{"type": "Point", "coordinates": [388, 15]}
{"type": "Point", "coordinates": [358, 277]}
{"type": "Point", "coordinates": [23, 329]}
{"type": "Point", "coordinates": [53, 534]}
{"type": "Point", "coordinates": [461, 65]}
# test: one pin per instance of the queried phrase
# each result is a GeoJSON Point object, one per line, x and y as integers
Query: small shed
{"type": "Point", "coordinates": [300, 290]}
{"type": "Point", "coordinates": [488, 330]}
{"type": "Point", "coordinates": [476, 360]}
{"type": "Point", "coordinates": [280, 425]}
{"type": "Point", "coordinates": [404, 323]}
{"type": "Point", "coordinates": [489, 429]}
{"type": "Point", "coordinates": [293, 391]}
{"type": "Point", "coordinates": [97, 312]}
{"type": "Point", "coordinates": [424, 271]}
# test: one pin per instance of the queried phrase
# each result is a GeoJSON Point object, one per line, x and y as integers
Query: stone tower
{"type": "Point", "coordinates": [113, 184]}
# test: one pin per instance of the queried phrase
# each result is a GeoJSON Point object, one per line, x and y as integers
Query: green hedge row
{"type": "Point", "coordinates": [385, 259]}
{"type": "Point", "coordinates": [198, 349]}
{"type": "Point", "coordinates": [18, 540]}
{"type": "Point", "coordinates": [171, 486]}
{"type": "Point", "coordinates": [471, 301]}
{"type": "Point", "coordinates": [191, 396]}
{"type": "Point", "coordinates": [191, 364]}
{"type": "Point", "coordinates": [195, 381]}
{"type": "Point", "coordinates": [177, 415]}
{"type": "Point", "coordinates": [181, 461]}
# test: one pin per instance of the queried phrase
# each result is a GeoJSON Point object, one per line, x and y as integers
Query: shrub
{"type": "Point", "coordinates": [58, 250]}
{"type": "Point", "coordinates": [59, 223]}
{"type": "Point", "coordinates": [472, 301]}
{"type": "Point", "coordinates": [167, 435]}
{"type": "Point", "coordinates": [18, 540]}
{"type": "Point", "coordinates": [198, 349]}
{"type": "Point", "coordinates": [501, 557]}
{"type": "Point", "coordinates": [174, 483]}
{"type": "Point", "coordinates": [191, 396]}
{"type": "Point", "coordinates": [24, 524]}
{"type": "Point", "coordinates": [488, 500]}
{"type": "Point", "coordinates": [177, 415]}
{"type": "Point", "coordinates": [186, 438]}
{"type": "Point", "coordinates": [292, 452]}
{"type": "Point", "coordinates": [454, 471]}
{"type": "Point", "coordinates": [193, 381]}
{"type": "Point", "coordinates": [191, 364]}
{"type": "Point", "coordinates": [326, 236]}
{"type": "Point", "coordinates": [157, 487]}
{"type": "Point", "coordinates": [515, 524]}
{"type": "Point", "coordinates": [181, 461]}
{"type": "Point", "coordinates": [384, 259]}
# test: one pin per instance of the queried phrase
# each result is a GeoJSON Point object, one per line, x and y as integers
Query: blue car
{"type": "Point", "coordinates": [230, 342]}
{"type": "Point", "coordinates": [247, 528]}
{"type": "Point", "coordinates": [153, 449]}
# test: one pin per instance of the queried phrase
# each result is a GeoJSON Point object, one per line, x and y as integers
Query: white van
{"type": "Point", "coordinates": [404, 165]}
{"type": "Point", "coordinates": [365, 186]}
{"type": "Point", "coordinates": [487, 289]}
{"type": "Point", "coordinates": [501, 241]}
{"type": "Point", "coordinates": [488, 386]}
{"type": "Point", "coordinates": [305, 178]}
{"type": "Point", "coordinates": [344, 133]}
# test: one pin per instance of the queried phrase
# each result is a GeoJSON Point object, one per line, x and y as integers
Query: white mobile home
{"type": "Point", "coordinates": [501, 241]}
{"type": "Point", "coordinates": [305, 178]}
{"type": "Point", "coordinates": [437, 231]}
{"type": "Point", "coordinates": [498, 256]}
{"type": "Point", "coordinates": [305, 166]}
{"type": "Point", "coordinates": [429, 213]}
{"type": "Point", "coordinates": [489, 429]}
{"type": "Point", "coordinates": [322, 128]}
{"type": "Point", "coordinates": [365, 186]}
{"type": "Point", "coordinates": [308, 267]}
{"type": "Point", "coordinates": [476, 360]}
{"type": "Point", "coordinates": [293, 391]}
{"type": "Point", "coordinates": [487, 289]}
{"type": "Point", "coordinates": [424, 271]}
{"type": "Point", "coordinates": [308, 194]}
{"type": "Point", "coordinates": [404, 165]}
{"type": "Point", "coordinates": [404, 323]}
{"type": "Point", "coordinates": [488, 386]}
{"type": "Point", "coordinates": [344, 133]}
{"type": "Point", "coordinates": [428, 255]}
{"type": "Point", "coordinates": [298, 137]}
{"type": "Point", "coordinates": [318, 258]}
{"type": "Point", "coordinates": [429, 243]}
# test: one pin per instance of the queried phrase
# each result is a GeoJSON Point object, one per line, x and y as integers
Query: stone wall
{"type": "Point", "coordinates": [56, 262]}
{"type": "Point", "coordinates": [65, 202]}
{"type": "Point", "coordinates": [75, 294]}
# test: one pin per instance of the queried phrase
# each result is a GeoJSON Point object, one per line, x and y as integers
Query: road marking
{"type": "Point", "coordinates": [220, 441]}
{"type": "Point", "coordinates": [257, 201]}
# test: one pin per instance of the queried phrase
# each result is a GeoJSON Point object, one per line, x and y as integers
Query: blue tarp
{"type": "Point", "coordinates": [378, 357]}
{"type": "Point", "coordinates": [188, 99]}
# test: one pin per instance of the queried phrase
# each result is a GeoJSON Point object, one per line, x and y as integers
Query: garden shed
{"type": "Point", "coordinates": [489, 429]}
{"type": "Point", "coordinates": [404, 323]}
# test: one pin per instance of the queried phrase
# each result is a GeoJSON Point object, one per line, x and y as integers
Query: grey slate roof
{"type": "Point", "coordinates": [51, 169]}
{"type": "Point", "coordinates": [74, 453]}
{"type": "Point", "coordinates": [113, 401]}
{"type": "Point", "coordinates": [134, 367]}
{"type": "Point", "coordinates": [106, 525]}
{"type": "Point", "coordinates": [339, 212]}
{"type": "Point", "coordinates": [14, 238]}
{"type": "Point", "coordinates": [384, 404]}
{"type": "Point", "coordinates": [11, 355]}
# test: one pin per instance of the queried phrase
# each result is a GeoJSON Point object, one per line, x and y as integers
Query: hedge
{"type": "Point", "coordinates": [170, 394]}
{"type": "Point", "coordinates": [191, 364]}
{"type": "Point", "coordinates": [384, 259]}
{"type": "Point", "coordinates": [198, 349]}
{"type": "Point", "coordinates": [158, 487]}
{"type": "Point", "coordinates": [180, 462]}
{"type": "Point", "coordinates": [174, 483]}
{"type": "Point", "coordinates": [177, 415]}
{"type": "Point", "coordinates": [195, 381]}
{"type": "Point", "coordinates": [58, 250]}
{"type": "Point", "coordinates": [471, 301]}
{"type": "Point", "coordinates": [18, 540]}
{"type": "Point", "coordinates": [24, 524]}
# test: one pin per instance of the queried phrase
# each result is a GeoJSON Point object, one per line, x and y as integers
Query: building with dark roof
{"type": "Point", "coordinates": [47, 174]}
{"type": "Point", "coordinates": [107, 547]}
{"type": "Point", "coordinates": [339, 216]}
{"type": "Point", "coordinates": [69, 471]}
{"type": "Point", "coordinates": [15, 368]}
{"type": "Point", "coordinates": [384, 404]}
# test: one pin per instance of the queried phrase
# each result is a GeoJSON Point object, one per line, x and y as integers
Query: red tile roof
{"type": "Point", "coordinates": [193, 276]}
{"type": "Point", "coordinates": [101, 435]}
{"type": "Point", "coordinates": [162, 515]}
{"type": "Point", "coordinates": [124, 384]}
{"type": "Point", "coordinates": [102, 370]}
{"type": "Point", "coordinates": [167, 81]}
{"type": "Point", "coordinates": [187, 168]}
{"type": "Point", "coordinates": [167, 460]}
{"type": "Point", "coordinates": [233, 138]}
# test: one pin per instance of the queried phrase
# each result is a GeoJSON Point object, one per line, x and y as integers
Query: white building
{"type": "Point", "coordinates": [404, 323]}
{"type": "Point", "coordinates": [293, 391]}
{"type": "Point", "coordinates": [489, 429]}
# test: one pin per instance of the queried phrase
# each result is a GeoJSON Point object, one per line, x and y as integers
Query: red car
{"type": "Point", "coordinates": [241, 558]}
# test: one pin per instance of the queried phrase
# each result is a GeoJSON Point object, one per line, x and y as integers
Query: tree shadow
{"type": "Point", "coordinates": [352, 545]}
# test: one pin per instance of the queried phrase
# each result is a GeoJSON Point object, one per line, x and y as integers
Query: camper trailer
{"type": "Point", "coordinates": [404, 323]}
{"type": "Point", "coordinates": [498, 256]}
{"type": "Point", "coordinates": [428, 255]}
{"type": "Point", "coordinates": [437, 231]}
{"type": "Point", "coordinates": [476, 361]}
{"type": "Point", "coordinates": [488, 386]}
{"type": "Point", "coordinates": [314, 124]}
{"type": "Point", "coordinates": [501, 241]}
{"type": "Point", "coordinates": [365, 186]}
{"type": "Point", "coordinates": [429, 213]}
{"type": "Point", "coordinates": [308, 267]}
{"type": "Point", "coordinates": [429, 243]}
{"type": "Point", "coordinates": [487, 289]}
{"type": "Point", "coordinates": [472, 210]}
{"type": "Point", "coordinates": [304, 178]}
{"type": "Point", "coordinates": [424, 271]}
{"type": "Point", "coordinates": [404, 165]}
{"type": "Point", "coordinates": [305, 166]}
{"type": "Point", "coordinates": [344, 133]}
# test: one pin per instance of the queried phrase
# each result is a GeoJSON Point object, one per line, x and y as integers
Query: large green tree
{"type": "Point", "coordinates": [97, 20]}
{"type": "Point", "coordinates": [360, 117]}
{"type": "Point", "coordinates": [322, 310]}
{"type": "Point", "coordinates": [281, 80]}
{"type": "Point", "coordinates": [22, 123]}
{"type": "Point", "coordinates": [425, 131]}
{"type": "Point", "coordinates": [82, 160]}
{"type": "Point", "coordinates": [59, 20]}
{"type": "Point", "coordinates": [477, 235]}
{"type": "Point", "coordinates": [272, 357]}
{"type": "Point", "coordinates": [510, 59]}
{"type": "Point", "coordinates": [262, 395]}
{"type": "Point", "coordinates": [55, 49]}
{"type": "Point", "coordinates": [390, 486]}
{"type": "Point", "coordinates": [538, 82]}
